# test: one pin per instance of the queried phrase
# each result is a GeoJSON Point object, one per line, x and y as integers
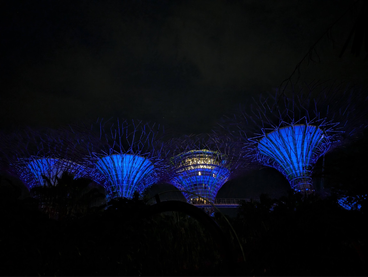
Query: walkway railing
{"type": "Point", "coordinates": [219, 202]}
{"type": "Point", "coordinates": [224, 202]}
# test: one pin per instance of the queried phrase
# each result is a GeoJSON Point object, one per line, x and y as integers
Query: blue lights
{"type": "Point", "coordinates": [51, 168]}
{"type": "Point", "coordinates": [202, 172]}
{"type": "Point", "coordinates": [293, 150]}
{"type": "Point", "coordinates": [351, 203]}
{"type": "Point", "coordinates": [126, 173]}
{"type": "Point", "coordinates": [125, 156]}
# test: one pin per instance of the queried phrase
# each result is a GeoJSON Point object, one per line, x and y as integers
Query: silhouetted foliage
{"type": "Point", "coordinates": [302, 235]}
{"type": "Point", "coordinates": [293, 235]}
{"type": "Point", "coordinates": [69, 198]}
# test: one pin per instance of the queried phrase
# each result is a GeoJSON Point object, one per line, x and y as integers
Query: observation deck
{"type": "Point", "coordinates": [202, 172]}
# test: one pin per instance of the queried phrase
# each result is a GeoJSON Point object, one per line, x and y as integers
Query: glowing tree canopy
{"type": "Point", "coordinates": [203, 170]}
{"type": "Point", "coordinates": [127, 156]}
{"type": "Point", "coordinates": [293, 150]}
{"type": "Point", "coordinates": [40, 157]}
{"type": "Point", "coordinates": [128, 173]}
{"type": "Point", "coordinates": [291, 130]}
{"type": "Point", "coordinates": [34, 171]}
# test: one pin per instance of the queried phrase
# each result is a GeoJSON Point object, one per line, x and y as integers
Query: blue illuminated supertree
{"type": "Point", "coordinates": [200, 165]}
{"type": "Point", "coordinates": [290, 131]}
{"type": "Point", "coordinates": [48, 162]}
{"type": "Point", "coordinates": [126, 155]}
{"type": "Point", "coordinates": [40, 157]}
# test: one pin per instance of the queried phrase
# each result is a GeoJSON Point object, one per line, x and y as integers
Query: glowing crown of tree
{"type": "Point", "coordinates": [202, 164]}
{"type": "Point", "coordinates": [40, 157]}
{"type": "Point", "coordinates": [126, 154]}
{"type": "Point", "coordinates": [290, 131]}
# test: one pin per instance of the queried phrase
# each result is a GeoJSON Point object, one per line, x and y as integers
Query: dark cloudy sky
{"type": "Point", "coordinates": [180, 63]}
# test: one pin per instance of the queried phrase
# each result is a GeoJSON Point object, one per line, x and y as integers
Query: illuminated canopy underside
{"type": "Point", "coordinates": [51, 168]}
{"type": "Point", "coordinates": [293, 150]}
{"type": "Point", "coordinates": [201, 172]}
{"type": "Point", "coordinates": [126, 173]}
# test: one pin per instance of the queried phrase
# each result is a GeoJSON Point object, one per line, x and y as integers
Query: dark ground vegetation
{"type": "Point", "coordinates": [310, 236]}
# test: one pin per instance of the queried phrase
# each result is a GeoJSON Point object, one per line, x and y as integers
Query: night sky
{"type": "Point", "coordinates": [179, 63]}
{"type": "Point", "coordinates": [182, 64]}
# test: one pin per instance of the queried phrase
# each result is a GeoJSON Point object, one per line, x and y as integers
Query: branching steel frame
{"type": "Point", "coordinates": [125, 156]}
{"type": "Point", "coordinates": [40, 157]}
{"type": "Point", "coordinates": [289, 132]}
